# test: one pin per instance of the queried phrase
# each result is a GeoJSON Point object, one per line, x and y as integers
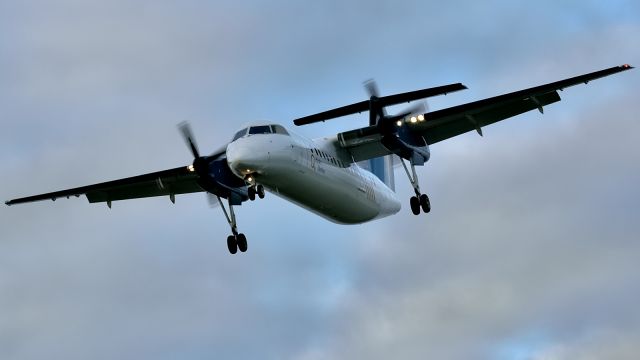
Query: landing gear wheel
{"type": "Point", "coordinates": [252, 193]}
{"type": "Point", "coordinates": [260, 191]}
{"type": "Point", "coordinates": [425, 203]}
{"type": "Point", "coordinates": [415, 205]}
{"type": "Point", "coordinates": [232, 244]}
{"type": "Point", "coordinates": [242, 242]}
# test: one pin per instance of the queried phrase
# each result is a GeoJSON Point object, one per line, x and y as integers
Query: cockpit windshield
{"type": "Point", "coordinates": [240, 134]}
{"type": "Point", "coordinates": [265, 129]}
{"type": "Point", "coordinates": [279, 129]}
{"type": "Point", "coordinates": [261, 129]}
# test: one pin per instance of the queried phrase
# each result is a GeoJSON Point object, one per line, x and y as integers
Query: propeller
{"type": "Point", "coordinates": [381, 117]}
{"type": "Point", "coordinates": [199, 162]}
{"type": "Point", "coordinates": [187, 135]}
{"type": "Point", "coordinates": [213, 200]}
{"type": "Point", "coordinates": [420, 108]}
{"type": "Point", "coordinates": [372, 90]}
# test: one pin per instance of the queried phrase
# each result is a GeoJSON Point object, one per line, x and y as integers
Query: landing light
{"type": "Point", "coordinates": [250, 179]}
{"type": "Point", "coordinates": [191, 168]}
{"type": "Point", "coordinates": [399, 123]}
{"type": "Point", "coordinates": [414, 119]}
{"type": "Point", "coordinates": [420, 117]}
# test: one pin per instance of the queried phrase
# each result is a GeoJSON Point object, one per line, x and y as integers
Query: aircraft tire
{"type": "Point", "coordinates": [242, 242]}
{"type": "Point", "coordinates": [252, 193]}
{"type": "Point", "coordinates": [260, 191]}
{"type": "Point", "coordinates": [425, 203]}
{"type": "Point", "coordinates": [232, 244]}
{"type": "Point", "coordinates": [415, 205]}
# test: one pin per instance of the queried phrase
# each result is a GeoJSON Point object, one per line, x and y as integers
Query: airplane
{"type": "Point", "coordinates": [347, 178]}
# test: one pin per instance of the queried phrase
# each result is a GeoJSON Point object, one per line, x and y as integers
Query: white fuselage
{"type": "Point", "coordinates": [313, 174]}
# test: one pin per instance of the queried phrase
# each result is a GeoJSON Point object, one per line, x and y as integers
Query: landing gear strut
{"type": "Point", "coordinates": [420, 201]}
{"type": "Point", "coordinates": [236, 241]}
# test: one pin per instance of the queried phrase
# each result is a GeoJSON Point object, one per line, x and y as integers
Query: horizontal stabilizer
{"type": "Point", "coordinates": [380, 101]}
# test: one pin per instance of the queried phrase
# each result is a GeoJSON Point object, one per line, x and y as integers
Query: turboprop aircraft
{"type": "Point", "coordinates": [347, 178]}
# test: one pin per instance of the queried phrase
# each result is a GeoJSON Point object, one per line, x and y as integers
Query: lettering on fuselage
{"type": "Point", "coordinates": [368, 186]}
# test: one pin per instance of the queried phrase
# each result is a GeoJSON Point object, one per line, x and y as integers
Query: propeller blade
{"type": "Point", "coordinates": [419, 108]}
{"type": "Point", "coordinates": [372, 88]}
{"type": "Point", "coordinates": [213, 200]}
{"type": "Point", "coordinates": [187, 135]}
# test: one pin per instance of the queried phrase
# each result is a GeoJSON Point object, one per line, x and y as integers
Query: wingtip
{"type": "Point", "coordinates": [8, 203]}
{"type": "Point", "coordinates": [627, 67]}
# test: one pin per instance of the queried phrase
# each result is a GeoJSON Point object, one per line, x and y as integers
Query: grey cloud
{"type": "Point", "coordinates": [603, 344]}
{"type": "Point", "coordinates": [533, 231]}
{"type": "Point", "coordinates": [554, 253]}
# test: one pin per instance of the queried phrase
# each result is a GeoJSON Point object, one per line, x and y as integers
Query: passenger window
{"type": "Point", "coordinates": [266, 129]}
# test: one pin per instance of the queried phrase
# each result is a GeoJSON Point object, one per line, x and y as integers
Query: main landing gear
{"type": "Point", "coordinates": [236, 241]}
{"type": "Point", "coordinates": [420, 201]}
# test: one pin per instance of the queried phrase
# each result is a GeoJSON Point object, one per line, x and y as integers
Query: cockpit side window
{"type": "Point", "coordinates": [279, 129]}
{"type": "Point", "coordinates": [240, 134]}
{"type": "Point", "coordinates": [265, 129]}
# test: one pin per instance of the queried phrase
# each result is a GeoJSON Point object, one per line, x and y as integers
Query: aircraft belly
{"type": "Point", "coordinates": [328, 191]}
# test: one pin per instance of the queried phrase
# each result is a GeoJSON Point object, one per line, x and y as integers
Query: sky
{"type": "Point", "coordinates": [530, 251]}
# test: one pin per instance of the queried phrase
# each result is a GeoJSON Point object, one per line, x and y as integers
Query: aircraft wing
{"type": "Point", "coordinates": [364, 143]}
{"type": "Point", "coordinates": [446, 123]}
{"type": "Point", "coordinates": [169, 182]}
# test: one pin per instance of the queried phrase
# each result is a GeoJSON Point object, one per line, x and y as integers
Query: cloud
{"type": "Point", "coordinates": [530, 248]}
{"type": "Point", "coordinates": [601, 344]}
{"type": "Point", "coordinates": [531, 232]}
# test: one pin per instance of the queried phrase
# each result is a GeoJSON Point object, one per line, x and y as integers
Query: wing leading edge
{"type": "Point", "coordinates": [181, 180]}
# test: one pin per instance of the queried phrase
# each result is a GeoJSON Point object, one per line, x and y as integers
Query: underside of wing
{"type": "Point", "coordinates": [169, 182]}
{"type": "Point", "coordinates": [447, 123]}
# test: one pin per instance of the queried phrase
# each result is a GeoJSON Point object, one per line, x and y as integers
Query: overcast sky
{"type": "Point", "coordinates": [530, 251]}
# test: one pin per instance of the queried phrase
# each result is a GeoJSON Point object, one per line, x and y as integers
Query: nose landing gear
{"type": "Point", "coordinates": [254, 190]}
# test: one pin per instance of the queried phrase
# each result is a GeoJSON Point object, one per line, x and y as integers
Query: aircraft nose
{"type": "Point", "coordinates": [244, 158]}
